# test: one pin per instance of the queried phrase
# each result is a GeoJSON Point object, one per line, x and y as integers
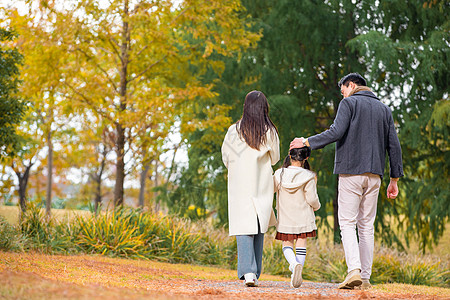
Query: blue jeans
{"type": "Point", "coordinates": [250, 250]}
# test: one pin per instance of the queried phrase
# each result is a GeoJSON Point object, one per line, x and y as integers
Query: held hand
{"type": "Point", "coordinates": [296, 143]}
{"type": "Point", "coordinates": [392, 190]}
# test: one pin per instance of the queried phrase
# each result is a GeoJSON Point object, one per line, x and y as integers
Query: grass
{"type": "Point", "coordinates": [118, 272]}
{"type": "Point", "coordinates": [11, 214]}
{"type": "Point", "coordinates": [133, 234]}
{"type": "Point", "coordinates": [442, 249]}
{"type": "Point", "coordinates": [395, 288]}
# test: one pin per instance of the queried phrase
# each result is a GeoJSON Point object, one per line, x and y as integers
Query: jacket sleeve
{"type": "Point", "coordinates": [275, 184]}
{"type": "Point", "coordinates": [275, 189]}
{"type": "Point", "coordinates": [274, 147]}
{"type": "Point", "coordinates": [336, 130]}
{"type": "Point", "coordinates": [394, 151]}
{"type": "Point", "coordinates": [311, 194]}
{"type": "Point", "coordinates": [225, 151]}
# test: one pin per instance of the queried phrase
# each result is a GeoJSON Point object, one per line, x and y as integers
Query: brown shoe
{"type": "Point", "coordinates": [353, 279]}
{"type": "Point", "coordinates": [365, 285]}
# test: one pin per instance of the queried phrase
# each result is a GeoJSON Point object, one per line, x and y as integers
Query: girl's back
{"type": "Point", "coordinates": [297, 199]}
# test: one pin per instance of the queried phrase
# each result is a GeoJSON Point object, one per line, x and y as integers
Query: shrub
{"type": "Point", "coordinates": [394, 266]}
{"type": "Point", "coordinates": [10, 237]}
{"type": "Point", "coordinates": [35, 225]}
{"type": "Point", "coordinates": [113, 234]}
{"type": "Point", "coordinates": [46, 234]}
{"type": "Point", "coordinates": [135, 234]}
{"type": "Point", "coordinates": [274, 262]}
{"type": "Point", "coordinates": [326, 263]}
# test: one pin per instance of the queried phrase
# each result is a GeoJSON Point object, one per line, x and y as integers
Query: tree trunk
{"type": "Point", "coordinates": [120, 130]}
{"type": "Point", "coordinates": [98, 195]}
{"type": "Point", "coordinates": [48, 201]}
{"type": "Point", "coordinates": [120, 166]}
{"type": "Point", "coordinates": [155, 193]}
{"type": "Point", "coordinates": [143, 180]}
{"type": "Point", "coordinates": [98, 181]}
{"type": "Point", "coordinates": [23, 182]}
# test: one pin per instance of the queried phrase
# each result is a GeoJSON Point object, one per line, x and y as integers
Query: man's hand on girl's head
{"type": "Point", "coordinates": [297, 143]}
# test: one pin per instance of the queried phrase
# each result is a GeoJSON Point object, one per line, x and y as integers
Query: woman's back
{"type": "Point", "coordinates": [250, 188]}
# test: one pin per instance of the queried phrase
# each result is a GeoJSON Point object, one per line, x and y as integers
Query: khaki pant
{"type": "Point", "coordinates": [357, 207]}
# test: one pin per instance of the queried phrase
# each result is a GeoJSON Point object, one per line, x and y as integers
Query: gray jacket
{"type": "Point", "coordinates": [363, 131]}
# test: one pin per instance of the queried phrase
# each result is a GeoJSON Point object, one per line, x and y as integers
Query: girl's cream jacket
{"type": "Point", "coordinates": [250, 183]}
{"type": "Point", "coordinates": [297, 200]}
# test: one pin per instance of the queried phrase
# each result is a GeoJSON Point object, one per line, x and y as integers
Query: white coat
{"type": "Point", "coordinates": [250, 183]}
{"type": "Point", "coordinates": [297, 200]}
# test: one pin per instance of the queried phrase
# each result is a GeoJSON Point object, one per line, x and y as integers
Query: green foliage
{"type": "Point", "coordinates": [298, 70]}
{"type": "Point", "coordinates": [112, 234]}
{"type": "Point", "coordinates": [327, 264]}
{"type": "Point", "coordinates": [11, 107]}
{"type": "Point", "coordinates": [273, 259]}
{"type": "Point", "coordinates": [10, 237]}
{"type": "Point", "coordinates": [136, 234]}
{"type": "Point", "coordinates": [421, 273]}
{"type": "Point", "coordinates": [44, 233]}
{"type": "Point", "coordinates": [35, 224]}
{"type": "Point", "coordinates": [407, 59]}
{"type": "Point", "coordinates": [392, 266]}
{"type": "Point", "coordinates": [307, 46]}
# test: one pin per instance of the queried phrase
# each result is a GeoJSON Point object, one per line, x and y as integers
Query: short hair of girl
{"type": "Point", "coordinates": [255, 121]}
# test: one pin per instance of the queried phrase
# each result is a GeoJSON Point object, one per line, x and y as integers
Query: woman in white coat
{"type": "Point", "coordinates": [250, 148]}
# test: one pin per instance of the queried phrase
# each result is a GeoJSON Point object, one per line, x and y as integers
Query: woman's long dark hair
{"type": "Point", "coordinates": [255, 120]}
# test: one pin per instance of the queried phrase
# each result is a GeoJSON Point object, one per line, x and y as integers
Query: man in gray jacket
{"type": "Point", "coordinates": [363, 131]}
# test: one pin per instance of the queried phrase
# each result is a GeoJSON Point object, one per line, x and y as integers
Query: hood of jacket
{"type": "Point", "coordinates": [293, 178]}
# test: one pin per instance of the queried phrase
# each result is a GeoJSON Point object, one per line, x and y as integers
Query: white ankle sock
{"type": "Point", "coordinates": [300, 255]}
{"type": "Point", "coordinates": [290, 255]}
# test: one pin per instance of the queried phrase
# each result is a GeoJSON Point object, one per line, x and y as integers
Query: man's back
{"type": "Point", "coordinates": [363, 130]}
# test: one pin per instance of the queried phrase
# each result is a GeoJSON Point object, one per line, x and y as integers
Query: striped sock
{"type": "Point", "coordinates": [300, 255]}
{"type": "Point", "coordinates": [290, 255]}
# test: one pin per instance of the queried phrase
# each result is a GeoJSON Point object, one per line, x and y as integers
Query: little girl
{"type": "Point", "coordinates": [297, 200]}
{"type": "Point", "coordinates": [249, 150]}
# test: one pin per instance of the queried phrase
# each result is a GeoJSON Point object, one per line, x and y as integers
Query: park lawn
{"type": "Point", "coordinates": [399, 288]}
{"type": "Point", "coordinates": [37, 276]}
{"type": "Point", "coordinates": [442, 249]}
{"type": "Point", "coordinates": [11, 214]}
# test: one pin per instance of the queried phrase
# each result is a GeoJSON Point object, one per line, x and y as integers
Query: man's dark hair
{"type": "Point", "coordinates": [352, 77]}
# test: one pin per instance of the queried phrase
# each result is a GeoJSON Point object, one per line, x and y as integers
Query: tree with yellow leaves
{"type": "Point", "coordinates": [138, 65]}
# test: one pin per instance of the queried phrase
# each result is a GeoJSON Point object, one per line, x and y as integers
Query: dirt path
{"type": "Point", "coordinates": [38, 276]}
